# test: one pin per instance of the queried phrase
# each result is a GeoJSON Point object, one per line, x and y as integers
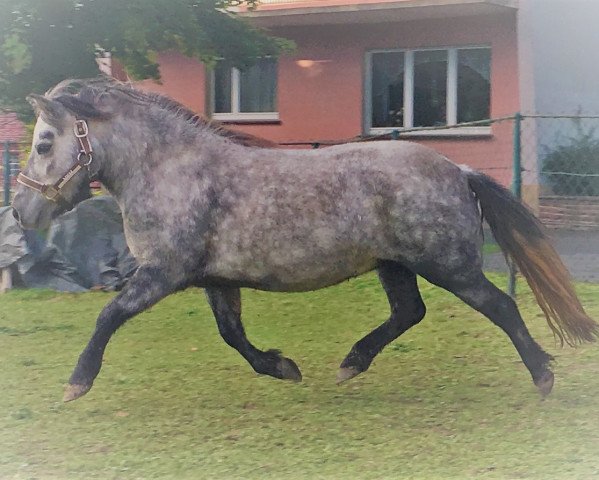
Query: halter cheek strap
{"type": "Point", "coordinates": [53, 192]}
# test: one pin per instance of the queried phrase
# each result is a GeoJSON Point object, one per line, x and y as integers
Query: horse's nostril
{"type": "Point", "coordinates": [16, 215]}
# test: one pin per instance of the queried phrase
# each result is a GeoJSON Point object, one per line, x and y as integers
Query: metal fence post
{"type": "Point", "coordinates": [516, 189]}
{"type": "Point", "coordinates": [5, 273]}
{"type": "Point", "coordinates": [6, 173]}
{"type": "Point", "coordinates": [517, 173]}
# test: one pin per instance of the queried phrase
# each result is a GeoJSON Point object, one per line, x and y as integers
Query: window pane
{"type": "Point", "coordinates": [387, 89]}
{"type": "Point", "coordinates": [258, 87]}
{"type": "Point", "coordinates": [430, 88]}
{"type": "Point", "coordinates": [222, 88]}
{"type": "Point", "coordinates": [474, 84]}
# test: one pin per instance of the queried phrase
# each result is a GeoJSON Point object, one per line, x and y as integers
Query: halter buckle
{"type": "Point", "coordinates": [50, 192]}
{"type": "Point", "coordinates": [81, 129]}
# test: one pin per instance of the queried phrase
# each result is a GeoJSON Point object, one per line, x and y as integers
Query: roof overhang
{"type": "Point", "coordinates": [274, 13]}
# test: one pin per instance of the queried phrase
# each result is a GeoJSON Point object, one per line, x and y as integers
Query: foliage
{"type": "Point", "coordinates": [27, 142]}
{"type": "Point", "coordinates": [449, 400]}
{"type": "Point", "coordinates": [44, 41]}
{"type": "Point", "coordinates": [572, 167]}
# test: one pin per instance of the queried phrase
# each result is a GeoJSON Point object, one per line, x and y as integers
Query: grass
{"type": "Point", "coordinates": [448, 400]}
{"type": "Point", "coordinates": [489, 248]}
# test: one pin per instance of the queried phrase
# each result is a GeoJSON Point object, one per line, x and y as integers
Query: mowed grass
{"type": "Point", "coordinates": [448, 400]}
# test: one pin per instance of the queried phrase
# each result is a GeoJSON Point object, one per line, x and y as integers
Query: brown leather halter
{"type": "Point", "coordinates": [53, 192]}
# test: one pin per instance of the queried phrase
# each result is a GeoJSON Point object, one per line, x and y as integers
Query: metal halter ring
{"type": "Point", "coordinates": [89, 158]}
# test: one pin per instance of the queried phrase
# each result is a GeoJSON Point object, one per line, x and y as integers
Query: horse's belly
{"type": "Point", "coordinates": [292, 271]}
{"type": "Point", "coordinates": [305, 279]}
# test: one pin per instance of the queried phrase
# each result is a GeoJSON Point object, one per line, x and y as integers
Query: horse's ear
{"type": "Point", "coordinates": [84, 107]}
{"type": "Point", "coordinates": [53, 111]}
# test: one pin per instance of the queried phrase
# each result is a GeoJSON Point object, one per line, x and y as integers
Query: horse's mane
{"type": "Point", "coordinates": [82, 96]}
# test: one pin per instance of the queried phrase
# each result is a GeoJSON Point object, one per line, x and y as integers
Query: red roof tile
{"type": "Point", "coordinates": [11, 128]}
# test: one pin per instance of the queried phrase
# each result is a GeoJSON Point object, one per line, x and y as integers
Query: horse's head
{"type": "Point", "coordinates": [56, 176]}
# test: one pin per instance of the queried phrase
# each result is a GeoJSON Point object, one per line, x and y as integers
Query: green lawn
{"type": "Point", "coordinates": [448, 400]}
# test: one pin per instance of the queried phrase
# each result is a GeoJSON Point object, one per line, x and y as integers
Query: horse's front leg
{"type": "Point", "coordinates": [226, 305]}
{"type": "Point", "coordinates": [144, 289]}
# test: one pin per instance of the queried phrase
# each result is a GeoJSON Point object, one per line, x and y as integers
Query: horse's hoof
{"type": "Point", "coordinates": [289, 370]}
{"type": "Point", "coordinates": [545, 384]}
{"type": "Point", "coordinates": [74, 391]}
{"type": "Point", "coordinates": [346, 373]}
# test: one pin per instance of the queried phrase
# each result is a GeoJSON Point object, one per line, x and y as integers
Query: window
{"type": "Point", "coordinates": [429, 87]}
{"type": "Point", "coordinates": [245, 95]}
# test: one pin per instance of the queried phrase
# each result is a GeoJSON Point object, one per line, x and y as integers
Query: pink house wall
{"type": "Point", "coordinates": [325, 101]}
{"type": "Point", "coordinates": [181, 78]}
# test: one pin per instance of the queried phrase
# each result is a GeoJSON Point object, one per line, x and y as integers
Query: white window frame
{"type": "Point", "coordinates": [236, 115]}
{"type": "Point", "coordinates": [451, 101]}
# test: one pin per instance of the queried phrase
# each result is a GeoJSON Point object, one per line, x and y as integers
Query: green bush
{"type": "Point", "coordinates": [572, 168]}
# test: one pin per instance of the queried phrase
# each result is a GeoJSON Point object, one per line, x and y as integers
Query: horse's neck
{"type": "Point", "coordinates": [129, 164]}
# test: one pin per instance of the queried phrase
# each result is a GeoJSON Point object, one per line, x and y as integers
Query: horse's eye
{"type": "Point", "coordinates": [43, 148]}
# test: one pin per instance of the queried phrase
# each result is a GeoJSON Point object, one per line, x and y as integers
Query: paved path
{"type": "Point", "coordinates": [579, 251]}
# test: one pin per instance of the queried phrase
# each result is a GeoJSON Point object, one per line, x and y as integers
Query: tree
{"type": "Point", "coordinates": [45, 41]}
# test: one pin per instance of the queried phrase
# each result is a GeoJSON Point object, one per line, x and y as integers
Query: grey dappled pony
{"type": "Point", "coordinates": [203, 207]}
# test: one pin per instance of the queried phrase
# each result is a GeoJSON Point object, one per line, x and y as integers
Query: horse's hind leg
{"type": "Point", "coordinates": [226, 306]}
{"type": "Point", "coordinates": [407, 309]}
{"type": "Point", "coordinates": [478, 292]}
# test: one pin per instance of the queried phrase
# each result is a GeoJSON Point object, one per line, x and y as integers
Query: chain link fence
{"type": "Point", "coordinates": [560, 178]}
{"type": "Point", "coordinates": [561, 169]}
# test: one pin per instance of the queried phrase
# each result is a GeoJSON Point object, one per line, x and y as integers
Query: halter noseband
{"type": "Point", "coordinates": [53, 192]}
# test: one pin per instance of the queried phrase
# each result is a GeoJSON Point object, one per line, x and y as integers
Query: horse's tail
{"type": "Point", "coordinates": [522, 238]}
